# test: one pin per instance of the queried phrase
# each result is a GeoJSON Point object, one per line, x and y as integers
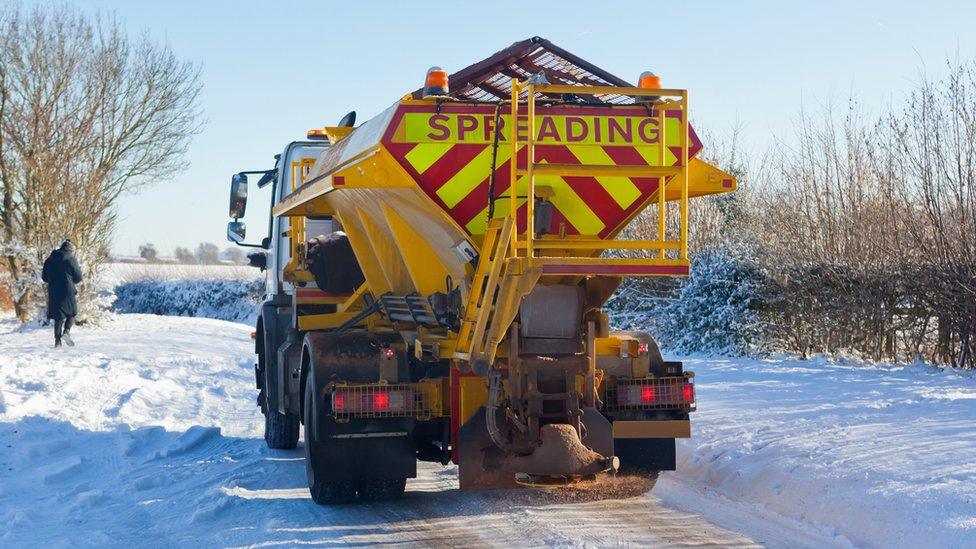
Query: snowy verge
{"type": "Point", "coordinates": [876, 455]}
{"type": "Point", "coordinates": [133, 370]}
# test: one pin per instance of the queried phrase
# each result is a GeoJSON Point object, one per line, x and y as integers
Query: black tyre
{"type": "Point", "coordinates": [281, 430]}
{"type": "Point", "coordinates": [381, 489]}
{"type": "Point", "coordinates": [323, 492]}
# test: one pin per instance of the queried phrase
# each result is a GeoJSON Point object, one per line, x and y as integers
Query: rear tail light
{"type": "Point", "coordinates": [372, 401]}
{"type": "Point", "coordinates": [660, 393]}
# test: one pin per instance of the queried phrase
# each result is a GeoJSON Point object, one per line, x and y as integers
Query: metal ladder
{"type": "Point", "coordinates": [484, 283]}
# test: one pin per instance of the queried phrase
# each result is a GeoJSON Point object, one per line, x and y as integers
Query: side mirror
{"type": "Point", "coordinates": [238, 196]}
{"type": "Point", "coordinates": [236, 231]}
{"type": "Point", "coordinates": [258, 259]}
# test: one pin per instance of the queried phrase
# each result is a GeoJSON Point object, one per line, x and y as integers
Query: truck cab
{"type": "Point", "coordinates": [275, 336]}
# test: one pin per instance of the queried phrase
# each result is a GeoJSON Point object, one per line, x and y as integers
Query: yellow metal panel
{"type": "Point", "coordinates": [704, 179]}
{"type": "Point", "coordinates": [425, 268]}
{"type": "Point", "coordinates": [433, 390]}
{"type": "Point", "coordinates": [368, 261]}
{"type": "Point", "coordinates": [473, 393]}
{"type": "Point", "coordinates": [676, 428]}
{"type": "Point", "coordinates": [387, 255]}
{"type": "Point", "coordinates": [323, 321]}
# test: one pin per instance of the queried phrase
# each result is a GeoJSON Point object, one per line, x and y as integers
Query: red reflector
{"type": "Point", "coordinates": [381, 401]}
{"type": "Point", "coordinates": [647, 393]}
{"type": "Point", "coordinates": [688, 392]}
{"type": "Point", "coordinates": [338, 401]}
{"type": "Point", "coordinates": [254, 335]}
{"type": "Point", "coordinates": [642, 347]}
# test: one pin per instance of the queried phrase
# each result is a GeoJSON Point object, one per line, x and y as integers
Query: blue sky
{"type": "Point", "coordinates": [273, 70]}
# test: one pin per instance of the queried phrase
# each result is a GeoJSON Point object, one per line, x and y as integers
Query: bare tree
{"type": "Point", "coordinates": [929, 156]}
{"type": "Point", "coordinates": [86, 114]}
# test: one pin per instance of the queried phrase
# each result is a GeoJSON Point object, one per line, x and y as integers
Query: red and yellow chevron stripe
{"type": "Point", "coordinates": [448, 150]}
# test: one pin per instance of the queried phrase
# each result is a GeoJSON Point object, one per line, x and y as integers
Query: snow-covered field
{"type": "Point", "coordinates": [146, 434]}
{"type": "Point", "coordinates": [119, 273]}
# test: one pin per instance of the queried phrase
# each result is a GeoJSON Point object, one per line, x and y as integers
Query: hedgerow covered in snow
{"type": "Point", "coordinates": [227, 299]}
{"type": "Point", "coordinates": [714, 310]}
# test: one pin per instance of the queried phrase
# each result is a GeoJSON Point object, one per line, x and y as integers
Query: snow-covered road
{"type": "Point", "coordinates": [146, 434]}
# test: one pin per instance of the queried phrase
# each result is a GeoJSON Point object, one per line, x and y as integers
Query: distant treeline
{"type": "Point", "coordinates": [206, 253]}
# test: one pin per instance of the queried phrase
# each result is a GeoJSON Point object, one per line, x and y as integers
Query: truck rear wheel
{"type": "Point", "coordinates": [323, 491]}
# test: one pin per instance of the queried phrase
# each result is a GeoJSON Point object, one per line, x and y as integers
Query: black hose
{"type": "Point", "coordinates": [494, 160]}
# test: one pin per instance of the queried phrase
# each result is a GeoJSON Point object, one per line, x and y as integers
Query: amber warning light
{"type": "Point", "coordinates": [436, 82]}
{"type": "Point", "coordinates": [649, 81]}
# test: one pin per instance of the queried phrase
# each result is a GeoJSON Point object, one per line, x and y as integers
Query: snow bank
{"type": "Point", "coordinates": [882, 456]}
{"type": "Point", "coordinates": [133, 370]}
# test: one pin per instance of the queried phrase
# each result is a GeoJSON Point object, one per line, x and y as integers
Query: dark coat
{"type": "Point", "coordinates": [61, 272]}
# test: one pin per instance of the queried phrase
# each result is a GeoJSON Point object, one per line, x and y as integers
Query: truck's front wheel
{"type": "Point", "coordinates": [280, 430]}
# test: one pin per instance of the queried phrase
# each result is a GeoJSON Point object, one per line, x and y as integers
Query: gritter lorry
{"type": "Point", "coordinates": [436, 278]}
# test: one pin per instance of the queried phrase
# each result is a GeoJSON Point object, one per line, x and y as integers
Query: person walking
{"type": "Point", "coordinates": [61, 273]}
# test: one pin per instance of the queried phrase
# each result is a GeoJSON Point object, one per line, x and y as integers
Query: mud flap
{"type": "Point", "coordinates": [366, 449]}
{"type": "Point", "coordinates": [642, 455]}
{"type": "Point", "coordinates": [479, 460]}
{"type": "Point", "coordinates": [597, 432]}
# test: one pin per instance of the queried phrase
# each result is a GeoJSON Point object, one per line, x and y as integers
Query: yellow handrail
{"type": "Point", "coordinates": [678, 100]}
